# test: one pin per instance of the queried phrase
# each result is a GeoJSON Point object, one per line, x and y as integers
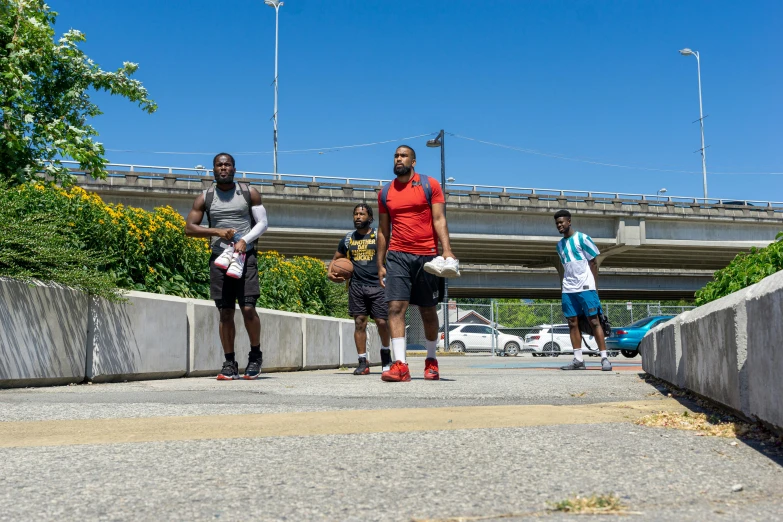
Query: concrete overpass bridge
{"type": "Point", "coordinates": [652, 247]}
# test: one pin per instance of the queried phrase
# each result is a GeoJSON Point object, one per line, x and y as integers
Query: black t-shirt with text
{"type": "Point", "coordinates": [361, 250]}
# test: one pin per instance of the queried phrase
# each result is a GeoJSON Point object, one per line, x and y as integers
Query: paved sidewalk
{"type": "Point", "coordinates": [501, 437]}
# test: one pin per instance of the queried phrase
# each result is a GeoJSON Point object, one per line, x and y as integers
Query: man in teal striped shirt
{"type": "Point", "coordinates": [577, 254]}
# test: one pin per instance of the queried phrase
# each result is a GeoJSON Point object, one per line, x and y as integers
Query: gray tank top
{"type": "Point", "coordinates": [229, 210]}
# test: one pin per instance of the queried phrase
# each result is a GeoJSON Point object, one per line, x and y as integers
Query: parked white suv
{"type": "Point", "coordinates": [550, 340]}
{"type": "Point", "coordinates": [471, 338]}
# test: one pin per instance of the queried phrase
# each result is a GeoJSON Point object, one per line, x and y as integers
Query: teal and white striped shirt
{"type": "Point", "coordinates": [575, 253]}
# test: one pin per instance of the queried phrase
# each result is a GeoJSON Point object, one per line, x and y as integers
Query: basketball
{"type": "Point", "coordinates": [342, 268]}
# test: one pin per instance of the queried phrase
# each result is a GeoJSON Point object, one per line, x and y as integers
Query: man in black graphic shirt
{"type": "Point", "coordinates": [365, 297]}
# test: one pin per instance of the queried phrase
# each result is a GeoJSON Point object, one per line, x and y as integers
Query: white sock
{"type": "Point", "coordinates": [384, 347]}
{"type": "Point", "coordinates": [578, 355]}
{"type": "Point", "coordinates": [431, 347]}
{"type": "Point", "coordinates": [364, 356]}
{"type": "Point", "coordinates": [398, 349]}
{"type": "Point", "coordinates": [603, 354]}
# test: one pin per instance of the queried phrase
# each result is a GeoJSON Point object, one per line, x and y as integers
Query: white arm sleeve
{"type": "Point", "coordinates": [259, 214]}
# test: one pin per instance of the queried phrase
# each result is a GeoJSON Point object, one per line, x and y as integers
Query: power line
{"type": "Point", "coordinates": [294, 151]}
{"type": "Point", "coordinates": [605, 164]}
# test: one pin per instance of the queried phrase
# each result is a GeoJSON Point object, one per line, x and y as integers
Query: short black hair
{"type": "Point", "coordinates": [563, 213]}
{"type": "Point", "coordinates": [233, 162]}
{"type": "Point", "coordinates": [365, 206]}
{"type": "Point", "coordinates": [413, 152]}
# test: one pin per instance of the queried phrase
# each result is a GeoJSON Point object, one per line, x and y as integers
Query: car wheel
{"type": "Point", "coordinates": [612, 353]}
{"type": "Point", "coordinates": [456, 346]}
{"type": "Point", "coordinates": [629, 353]}
{"type": "Point", "coordinates": [511, 348]}
{"type": "Point", "coordinates": [551, 350]}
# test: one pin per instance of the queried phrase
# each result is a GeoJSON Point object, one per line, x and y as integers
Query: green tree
{"type": "Point", "coordinates": [45, 104]}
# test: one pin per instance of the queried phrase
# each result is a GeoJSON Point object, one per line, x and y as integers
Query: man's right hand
{"type": "Point", "coordinates": [382, 276]}
{"type": "Point", "coordinates": [227, 233]}
{"type": "Point", "coordinates": [335, 278]}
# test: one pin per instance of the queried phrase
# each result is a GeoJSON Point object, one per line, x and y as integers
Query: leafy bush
{"type": "Point", "coordinates": [746, 269]}
{"type": "Point", "coordinates": [70, 236]}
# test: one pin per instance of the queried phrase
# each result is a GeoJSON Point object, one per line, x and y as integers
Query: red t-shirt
{"type": "Point", "coordinates": [411, 216]}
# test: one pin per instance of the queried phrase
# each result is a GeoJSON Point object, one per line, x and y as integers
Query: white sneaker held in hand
{"type": "Point", "coordinates": [237, 266]}
{"type": "Point", "coordinates": [223, 261]}
{"type": "Point", "coordinates": [450, 267]}
{"type": "Point", "coordinates": [435, 266]}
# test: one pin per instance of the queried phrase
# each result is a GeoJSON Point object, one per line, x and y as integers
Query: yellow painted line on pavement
{"type": "Point", "coordinates": [342, 422]}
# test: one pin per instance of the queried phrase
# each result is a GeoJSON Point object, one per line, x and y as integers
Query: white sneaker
{"type": "Point", "coordinates": [450, 268]}
{"type": "Point", "coordinates": [237, 266]}
{"type": "Point", "coordinates": [435, 266]}
{"type": "Point", "coordinates": [223, 261]}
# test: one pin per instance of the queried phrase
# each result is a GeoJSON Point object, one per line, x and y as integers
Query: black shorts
{"type": "Point", "coordinates": [406, 279]}
{"type": "Point", "coordinates": [367, 300]}
{"type": "Point", "coordinates": [227, 291]}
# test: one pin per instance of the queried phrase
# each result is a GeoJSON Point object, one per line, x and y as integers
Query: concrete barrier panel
{"type": "Point", "coordinates": [665, 362]}
{"type": "Point", "coordinates": [281, 340]}
{"type": "Point", "coordinates": [348, 345]}
{"type": "Point", "coordinates": [43, 334]}
{"type": "Point", "coordinates": [760, 376]}
{"type": "Point", "coordinates": [322, 343]}
{"type": "Point", "coordinates": [709, 343]}
{"type": "Point", "coordinates": [143, 338]}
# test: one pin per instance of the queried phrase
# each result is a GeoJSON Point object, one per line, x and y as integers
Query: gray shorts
{"type": "Point", "coordinates": [227, 291]}
{"type": "Point", "coordinates": [406, 279]}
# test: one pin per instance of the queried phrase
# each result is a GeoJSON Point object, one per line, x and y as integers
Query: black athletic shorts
{"type": "Point", "coordinates": [227, 291]}
{"type": "Point", "coordinates": [367, 300]}
{"type": "Point", "coordinates": [406, 279]}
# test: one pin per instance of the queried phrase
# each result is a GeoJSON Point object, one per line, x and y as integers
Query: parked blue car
{"type": "Point", "coordinates": [627, 338]}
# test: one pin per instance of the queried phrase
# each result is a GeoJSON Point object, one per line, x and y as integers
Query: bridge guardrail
{"type": "Point", "coordinates": [171, 176]}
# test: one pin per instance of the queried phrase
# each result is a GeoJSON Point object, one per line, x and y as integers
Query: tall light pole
{"type": "Point", "coordinates": [686, 52]}
{"type": "Point", "coordinates": [440, 141]}
{"type": "Point", "coordinates": [276, 4]}
{"type": "Point", "coordinates": [660, 191]}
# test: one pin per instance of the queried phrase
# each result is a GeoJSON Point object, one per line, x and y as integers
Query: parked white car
{"type": "Point", "coordinates": [478, 338]}
{"type": "Point", "coordinates": [550, 340]}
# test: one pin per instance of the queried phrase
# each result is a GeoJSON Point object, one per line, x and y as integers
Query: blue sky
{"type": "Point", "coordinates": [595, 80]}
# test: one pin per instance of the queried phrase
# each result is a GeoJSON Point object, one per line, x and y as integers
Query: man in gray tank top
{"type": "Point", "coordinates": [236, 220]}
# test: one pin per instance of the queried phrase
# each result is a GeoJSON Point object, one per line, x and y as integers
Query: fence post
{"type": "Point", "coordinates": [492, 323]}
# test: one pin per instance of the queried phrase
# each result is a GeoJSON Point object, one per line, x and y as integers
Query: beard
{"type": "Point", "coordinates": [402, 170]}
{"type": "Point", "coordinates": [361, 224]}
{"type": "Point", "coordinates": [229, 179]}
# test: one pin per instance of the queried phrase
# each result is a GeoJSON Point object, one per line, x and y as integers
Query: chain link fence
{"type": "Point", "coordinates": [501, 328]}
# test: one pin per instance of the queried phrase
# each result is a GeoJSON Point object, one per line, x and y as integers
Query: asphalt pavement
{"type": "Point", "coordinates": [495, 439]}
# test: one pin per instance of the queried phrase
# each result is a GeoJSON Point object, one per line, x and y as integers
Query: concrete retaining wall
{"type": "Point", "coordinates": [730, 351]}
{"type": "Point", "coordinates": [43, 334]}
{"type": "Point", "coordinates": [143, 338]}
{"type": "Point", "coordinates": [54, 335]}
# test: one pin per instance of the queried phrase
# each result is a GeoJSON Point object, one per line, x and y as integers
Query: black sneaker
{"type": "Point", "coordinates": [363, 368]}
{"type": "Point", "coordinates": [229, 372]}
{"type": "Point", "coordinates": [386, 360]}
{"type": "Point", "coordinates": [253, 370]}
{"type": "Point", "coordinates": [575, 365]}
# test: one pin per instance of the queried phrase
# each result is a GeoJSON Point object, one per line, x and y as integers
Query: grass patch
{"type": "Point", "coordinates": [708, 426]}
{"type": "Point", "coordinates": [592, 505]}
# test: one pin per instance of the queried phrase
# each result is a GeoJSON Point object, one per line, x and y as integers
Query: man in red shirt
{"type": "Point", "coordinates": [415, 224]}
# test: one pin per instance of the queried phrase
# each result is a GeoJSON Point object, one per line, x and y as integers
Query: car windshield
{"type": "Point", "coordinates": [641, 322]}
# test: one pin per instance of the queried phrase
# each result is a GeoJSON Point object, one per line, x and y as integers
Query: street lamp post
{"type": "Point", "coordinates": [440, 141]}
{"type": "Point", "coordinates": [686, 52]}
{"type": "Point", "coordinates": [660, 191]}
{"type": "Point", "coordinates": [276, 4]}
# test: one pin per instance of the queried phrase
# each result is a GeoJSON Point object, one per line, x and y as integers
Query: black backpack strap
{"type": "Point", "coordinates": [427, 187]}
{"type": "Point", "coordinates": [385, 194]}
{"type": "Point", "coordinates": [208, 197]}
{"type": "Point", "coordinates": [245, 188]}
{"type": "Point", "coordinates": [347, 244]}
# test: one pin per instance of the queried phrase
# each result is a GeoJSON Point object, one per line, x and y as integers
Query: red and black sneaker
{"type": "Point", "coordinates": [397, 373]}
{"type": "Point", "coordinates": [431, 372]}
{"type": "Point", "coordinates": [229, 372]}
{"type": "Point", "coordinates": [363, 368]}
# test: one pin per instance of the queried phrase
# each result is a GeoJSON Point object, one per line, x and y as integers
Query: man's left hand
{"type": "Point", "coordinates": [448, 253]}
{"type": "Point", "coordinates": [240, 246]}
